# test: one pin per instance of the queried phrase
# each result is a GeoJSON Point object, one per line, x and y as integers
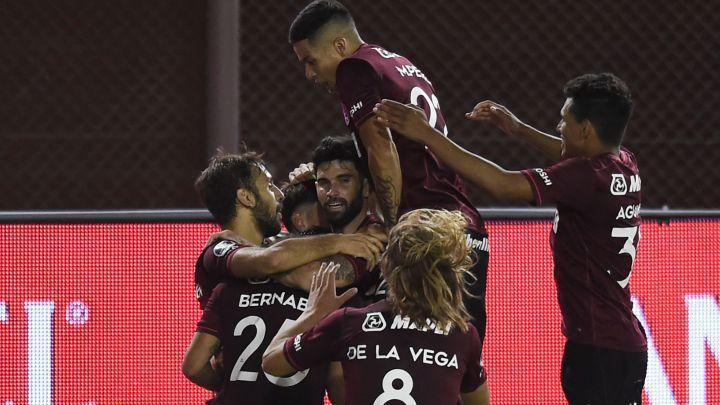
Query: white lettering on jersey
{"type": "Point", "coordinates": [401, 322]}
{"type": "Point", "coordinates": [296, 342]}
{"type": "Point", "coordinates": [355, 108]}
{"type": "Point", "coordinates": [391, 354]}
{"type": "Point", "coordinates": [386, 54]}
{"type": "Point", "coordinates": [543, 174]}
{"type": "Point", "coordinates": [198, 291]}
{"type": "Point", "coordinates": [267, 299]}
{"type": "Point", "coordinates": [432, 357]}
{"type": "Point", "coordinates": [410, 71]}
{"type": "Point", "coordinates": [629, 212]}
{"type": "Point", "coordinates": [477, 244]}
{"type": "Point", "coordinates": [357, 352]}
{"type": "Point", "coordinates": [634, 183]}
{"type": "Point", "coordinates": [618, 185]}
{"type": "Point", "coordinates": [374, 322]}
{"type": "Point", "coordinates": [224, 247]}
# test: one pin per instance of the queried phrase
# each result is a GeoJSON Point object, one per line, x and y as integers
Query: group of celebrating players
{"type": "Point", "coordinates": [377, 292]}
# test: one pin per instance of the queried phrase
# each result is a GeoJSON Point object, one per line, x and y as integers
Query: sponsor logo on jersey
{"type": "Point", "coordinates": [477, 244]}
{"type": "Point", "coordinates": [224, 247]}
{"type": "Point", "coordinates": [296, 342]}
{"type": "Point", "coordinates": [544, 176]}
{"type": "Point", "coordinates": [618, 185]}
{"type": "Point", "coordinates": [355, 108]}
{"type": "Point", "coordinates": [374, 322]}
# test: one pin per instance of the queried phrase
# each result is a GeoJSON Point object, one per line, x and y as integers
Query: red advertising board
{"type": "Point", "coordinates": [103, 313]}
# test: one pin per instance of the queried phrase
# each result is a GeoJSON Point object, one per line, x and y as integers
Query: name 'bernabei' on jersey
{"type": "Point", "coordinates": [387, 359]}
{"type": "Point", "coordinates": [245, 316]}
{"type": "Point", "coordinates": [594, 241]}
{"type": "Point", "coordinates": [372, 74]}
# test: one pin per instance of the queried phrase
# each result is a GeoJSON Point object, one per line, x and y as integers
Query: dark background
{"type": "Point", "coordinates": [103, 104]}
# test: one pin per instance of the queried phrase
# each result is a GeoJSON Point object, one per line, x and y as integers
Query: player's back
{"type": "Point", "coordinates": [245, 316]}
{"type": "Point", "coordinates": [387, 359]}
{"type": "Point", "coordinates": [373, 73]}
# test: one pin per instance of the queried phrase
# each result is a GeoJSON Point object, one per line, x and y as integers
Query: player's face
{"type": "Point", "coordinates": [269, 204]}
{"type": "Point", "coordinates": [320, 62]}
{"type": "Point", "coordinates": [341, 191]}
{"type": "Point", "coordinates": [570, 132]}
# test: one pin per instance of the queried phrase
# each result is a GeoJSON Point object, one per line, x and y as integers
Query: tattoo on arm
{"type": "Point", "coordinates": [388, 198]}
{"type": "Point", "coordinates": [346, 273]}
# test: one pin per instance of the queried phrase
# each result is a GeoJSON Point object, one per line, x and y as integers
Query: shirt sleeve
{"type": "Point", "coordinates": [318, 345]}
{"type": "Point", "coordinates": [359, 86]}
{"type": "Point", "coordinates": [210, 322]}
{"type": "Point", "coordinates": [217, 258]}
{"type": "Point", "coordinates": [475, 372]}
{"type": "Point", "coordinates": [569, 182]}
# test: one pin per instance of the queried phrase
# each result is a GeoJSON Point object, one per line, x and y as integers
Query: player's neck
{"type": "Point", "coordinates": [245, 227]}
{"type": "Point", "coordinates": [604, 150]}
{"type": "Point", "coordinates": [354, 225]}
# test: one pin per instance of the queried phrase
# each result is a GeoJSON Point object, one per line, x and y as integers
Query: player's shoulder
{"type": "Point", "coordinates": [369, 57]}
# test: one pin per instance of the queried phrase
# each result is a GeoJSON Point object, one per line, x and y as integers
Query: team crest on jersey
{"type": "Point", "coordinates": [618, 185]}
{"type": "Point", "coordinates": [223, 248]}
{"type": "Point", "coordinates": [374, 322]}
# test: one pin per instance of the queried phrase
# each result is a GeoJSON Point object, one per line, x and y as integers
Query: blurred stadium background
{"type": "Point", "coordinates": [118, 105]}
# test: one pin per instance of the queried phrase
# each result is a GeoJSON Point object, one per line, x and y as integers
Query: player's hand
{"type": "Point", "coordinates": [304, 172]}
{"type": "Point", "coordinates": [216, 361]}
{"type": "Point", "coordinates": [496, 114]}
{"type": "Point", "coordinates": [322, 299]}
{"type": "Point", "coordinates": [406, 119]}
{"type": "Point", "coordinates": [368, 246]}
{"type": "Point", "coordinates": [227, 235]}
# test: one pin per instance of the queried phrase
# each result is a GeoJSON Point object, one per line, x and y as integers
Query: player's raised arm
{"type": "Point", "coordinates": [296, 252]}
{"type": "Point", "coordinates": [411, 122]}
{"type": "Point", "coordinates": [498, 115]}
{"type": "Point", "coordinates": [384, 165]}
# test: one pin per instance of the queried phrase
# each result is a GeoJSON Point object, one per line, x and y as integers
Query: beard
{"type": "Point", "coordinates": [340, 219]}
{"type": "Point", "coordinates": [266, 220]}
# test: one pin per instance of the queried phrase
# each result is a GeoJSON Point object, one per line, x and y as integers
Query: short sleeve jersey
{"type": "Point", "coordinates": [245, 316]}
{"type": "Point", "coordinates": [385, 357]}
{"type": "Point", "coordinates": [594, 241]}
{"type": "Point", "coordinates": [212, 267]}
{"type": "Point", "coordinates": [372, 74]}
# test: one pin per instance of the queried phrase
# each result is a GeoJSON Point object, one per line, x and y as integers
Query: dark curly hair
{"type": "Point", "coordinates": [604, 100]}
{"type": "Point", "coordinates": [341, 148]}
{"type": "Point", "coordinates": [295, 196]}
{"type": "Point", "coordinates": [217, 185]}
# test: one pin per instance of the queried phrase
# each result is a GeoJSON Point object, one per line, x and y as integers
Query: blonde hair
{"type": "Point", "coordinates": [426, 266]}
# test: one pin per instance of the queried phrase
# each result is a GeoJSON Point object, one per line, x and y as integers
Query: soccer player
{"type": "Point", "coordinates": [239, 192]}
{"type": "Point", "coordinates": [415, 347]}
{"type": "Point", "coordinates": [405, 175]}
{"type": "Point", "coordinates": [597, 190]}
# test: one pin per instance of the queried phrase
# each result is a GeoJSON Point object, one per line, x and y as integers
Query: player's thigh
{"type": "Point", "coordinates": [580, 375]}
{"type": "Point", "coordinates": [623, 375]}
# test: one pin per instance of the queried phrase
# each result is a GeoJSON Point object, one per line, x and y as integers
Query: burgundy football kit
{"type": "Point", "coordinates": [388, 359]}
{"type": "Point", "coordinates": [594, 241]}
{"type": "Point", "coordinates": [373, 73]}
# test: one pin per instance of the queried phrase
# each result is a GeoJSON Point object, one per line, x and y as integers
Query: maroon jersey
{"type": "Point", "coordinates": [372, 74]}
{"type": "Point", "coordinates": [212, 267]}
{"type": "Point", "coordinates": [245, 316]}
{"type": "Point", "coordinates": [385, 357]}
{"type": "Point", "coordinates": [594, 241]}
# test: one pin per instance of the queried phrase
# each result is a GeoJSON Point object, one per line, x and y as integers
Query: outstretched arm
{"type": "Point", "coordinates": [296, 252]}
{"type": "Point", "coordinates": [412, 123]}
{"type": "Point", "coordinates": [496, 114]}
